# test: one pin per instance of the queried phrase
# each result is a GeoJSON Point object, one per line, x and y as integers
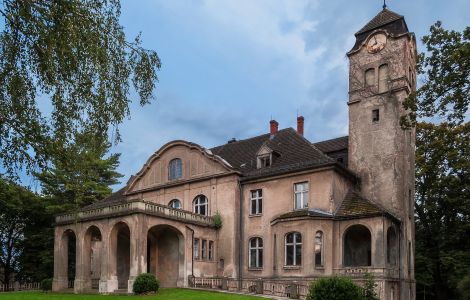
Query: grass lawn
{"type": "Point", "coordinates": [163, 294]}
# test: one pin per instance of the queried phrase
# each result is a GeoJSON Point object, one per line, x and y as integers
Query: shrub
{"type": "Point", "coordinates": [46, 284]}
{"type": "Point", "coordinates": [464, 287]}
{"type": "Point", "coordinates": [369, 287]}
{"type": "Point", "coordinates": [334, 288]}
{"type": "Point", "coordinates": [146, 283]}
{"type": "Point", "coordinates": [217, 220]}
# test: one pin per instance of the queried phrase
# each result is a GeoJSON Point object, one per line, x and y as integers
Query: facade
{"type": "Point", "coordinates": [292, 211]}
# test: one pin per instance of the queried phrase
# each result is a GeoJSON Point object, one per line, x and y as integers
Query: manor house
{"type": "Point", "coordinates": [270, 213]}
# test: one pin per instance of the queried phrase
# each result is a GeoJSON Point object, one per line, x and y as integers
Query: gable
{"type": "Point", "coordinates": [196, 161]}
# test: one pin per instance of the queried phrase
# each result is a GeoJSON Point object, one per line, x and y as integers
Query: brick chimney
{"type": "Point", "coordinates": [300, 125]}
{"type": "Point", "coordinates": [274, 125]}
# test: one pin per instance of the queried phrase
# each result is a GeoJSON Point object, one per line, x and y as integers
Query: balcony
{"type": "Point", "coordinates": [135, 206]}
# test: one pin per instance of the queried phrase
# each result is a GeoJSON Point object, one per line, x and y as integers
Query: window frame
{"type": "Point", "coordinates": [307, 191]}
{"type": "Point", "coordinates": [197, 205]}
{"type": "Point", "coordinates": [203, 249]}
{"type": "Point", "coordinates": [175, 200]}
{"type": "Point", "coordinates": [295, 245]}
{"type": "Point", "coordinates": [210, 252]}
{"type": "Point", "coordinates": [319, 235]}
{"type": "Point", "coordinates": [258, 199]}
{"type": "Point", "coordinates": [173, 172]}
{"type": "Point", "coordinates": [196, 249]}
{"type": "Point", "coordinates": [375, 115]}
{"type": "Point", "coordinates": [262, 159]}
{"type": "Point", "coordinates": [259, 252]}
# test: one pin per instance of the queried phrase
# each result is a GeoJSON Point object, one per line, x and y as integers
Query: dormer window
{"type": "Point", "coordinates": [264, 161]}
{"type": "Point", "coordinates": [175, 169]}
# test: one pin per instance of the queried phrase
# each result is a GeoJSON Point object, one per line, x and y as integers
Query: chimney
{"type": "Point", "coordinates": [273, 126]}
{"type": "Point", "coordinates": [300, 125]}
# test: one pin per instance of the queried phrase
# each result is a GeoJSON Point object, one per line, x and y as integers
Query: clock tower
{"type": "Point", "coordinates": [381, 76]}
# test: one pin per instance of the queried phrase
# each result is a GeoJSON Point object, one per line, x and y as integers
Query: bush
{"type": "Point", "coordinates": [217, 220]}
{"type": "Point", "coordinates": [464, 287]}
{"type": "Point", "coordinates": [146, 283]}
{"type": "Point", "coordinates": [334, 288]}
{"type": "Point", "coordinates": [369, 287]}
{"type": "Point", "coordinates": [46, 284]}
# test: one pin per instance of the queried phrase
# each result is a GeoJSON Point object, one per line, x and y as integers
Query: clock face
{"type": "Point", "coordinates": [376, 42]}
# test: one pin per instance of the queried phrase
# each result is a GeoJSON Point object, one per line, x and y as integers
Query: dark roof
{"type": "Point", "coordinates": [382, 18]}
{"type": "Point", "coordinates": [387, 20]}
{"type": "Point", "coordinates": [354, 205]}
{"type": "Point", "coordinates": [305, 213]}
{"type": "Point", "coordinates": [291, 152]}
{"type": "Point", "coordinates": [333, 145]}
{"type": "Point", "coordinates": [114, 198]}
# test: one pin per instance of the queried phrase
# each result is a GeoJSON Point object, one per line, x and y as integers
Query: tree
{"type": "Point", "coordinates": [442, 207]}
{"type": "Point", "coordinates": [69, 57]}
{"type": "Point", "coordinates": [445, 68]}
{"type": "Point", "coordinates": [81, 174]}
{"type": "Point", "coordinates": [15, 205]}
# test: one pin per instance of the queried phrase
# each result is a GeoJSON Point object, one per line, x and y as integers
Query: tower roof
{"type": "Point", "coordinates": [383, 18]}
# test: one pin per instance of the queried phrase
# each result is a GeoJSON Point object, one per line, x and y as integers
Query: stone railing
{"type": "Point", "coordinates": [17, 286]}
{"type": "Point", "coordinates": [133, 206]}
{"type": "Point", "coordinates": [360, 271]}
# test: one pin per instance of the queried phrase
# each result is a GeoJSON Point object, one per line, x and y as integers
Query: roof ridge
{"type": "Point", "coordinates": [247, 139]}
{"type": "Point", "coordinates": [329, 140]}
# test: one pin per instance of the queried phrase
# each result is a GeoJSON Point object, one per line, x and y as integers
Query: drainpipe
{"type": "Point", "coordinates": [192, 251]}
{"type": "Point", "coordinates": [240, 236]}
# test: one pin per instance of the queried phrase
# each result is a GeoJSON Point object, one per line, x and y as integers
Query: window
{"type": "Point", "coordinates": [196, 249]}
{"type": "Point", "coordinates": [375, 115]}
{"type": "Point", "coordinates": [293, 249]}
{"type": "Point", "coordinates": [357, 247]}
{"type": "Point", "coordinates": [256, 202]}
{"type": "Point", "coordinates": [370, 77]}
{"type": "Point", "coordinates": [256, 252]}
{"type": "Point", "coordinates": [319, 249]}
{"type": "Point", "coordinates": [264, 161]}
{"type": "Point", "coordinates": [204, 249]}
{"type": "Point", "coordinates": [211, 250]}
{"type": "Point", "coordinates": [383, 78]}
{"type": "Point", "coordinates": [200, 205]}
{"type": "Point", "coordinates": [175, 203]}
{"type": "Point", "coordinates": [301, 195]}
{"type": "Point", "coordinates": [175, 169]}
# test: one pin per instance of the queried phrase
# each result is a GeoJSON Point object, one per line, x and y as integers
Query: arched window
{"type": "Point", "coordinates": [383, 78]}
{"type": "Point", "coordinates": [357, 247]}
{"type": "Point", "coordinates": [256, 252]}
{"type": "Point", "coordinates": [392, 246]}
{"type": "Point", "coordinates": [175, 203]}
{"type": "Point", "coordinates": [175, 169]}
{"type": "Point", "coordinates": [200, 205]}
{"type": "Point", "coordinates": [293, 249]}
{"type": "Point", "coordinates": [370, 77]}
{"type": "Point", "coordinates": [319, 249]}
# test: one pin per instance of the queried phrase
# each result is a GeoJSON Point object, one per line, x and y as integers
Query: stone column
{"type": "Point", "coordinates": [138, 255]}
{"type": "Point", "coordinates": [108, 280]}
{"type": "Point", "coordinates": [80, 284]}
{"type": "Point", "coordinates": [60, 281]}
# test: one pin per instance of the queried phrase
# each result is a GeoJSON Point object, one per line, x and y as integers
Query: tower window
{"type": "Point", "coordinates": [264, 161]}
{"type": "Point", "coordinates": [370, 77]}
{"type": "Point", "coordinates": [383, 78]}
{"type": "Point", "coordinates": [375, 115]}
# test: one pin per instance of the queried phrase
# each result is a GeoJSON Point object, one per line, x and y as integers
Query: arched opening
{"type": "Point", "coordinates": [357, 247]}
{"type": "Point", "coordinates": [121, 253]}
{"type": "Point", "coordinates": [392, 247]}
{"type": "Point", "coordinates": [93, 254]}
{"type": "Point", "coordinates": [68, 258]}
{"type": "Point", "coordinates": [165, 255]}
{"type": "Point", "coordinates": [369, 77]}
{"type": "Point", "coordinates": [383, 78]}
{"type": "Point", "coordinates": [200, 205]}
{"type": "Point", "coordinates": [175, 169]}
{"type": "Point", "coordinates": [176, 204]}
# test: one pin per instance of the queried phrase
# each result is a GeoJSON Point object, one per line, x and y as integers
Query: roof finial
{"type": "Point", "coordinates": [385, 5]}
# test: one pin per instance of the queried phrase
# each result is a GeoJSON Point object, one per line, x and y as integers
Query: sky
{"type": "Point", "coordinates": [229, 66]}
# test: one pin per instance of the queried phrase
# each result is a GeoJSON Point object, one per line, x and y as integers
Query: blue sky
{"type": "Point", "coordinates": [228, 66]}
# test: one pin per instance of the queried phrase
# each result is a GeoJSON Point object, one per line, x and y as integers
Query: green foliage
{"type": "Point", "coordinates": [73, 55]}
{"type": "Point", "coordinates": [334, 288]}
{"type": "Point", "coordinates": [369, 288]}
{"type": "Point", "coordinates": [464, 287]}
{"type": "Point", "coordinates": [445, 91]}
{"type": "Point", "coordinates": [146, 283]}
{"type": "Point", "coordinates": [46, 284]}
{"type": "Point", "coordinates": [442, 208]}
{"type": "Point", "coordinates": [217, 220]}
